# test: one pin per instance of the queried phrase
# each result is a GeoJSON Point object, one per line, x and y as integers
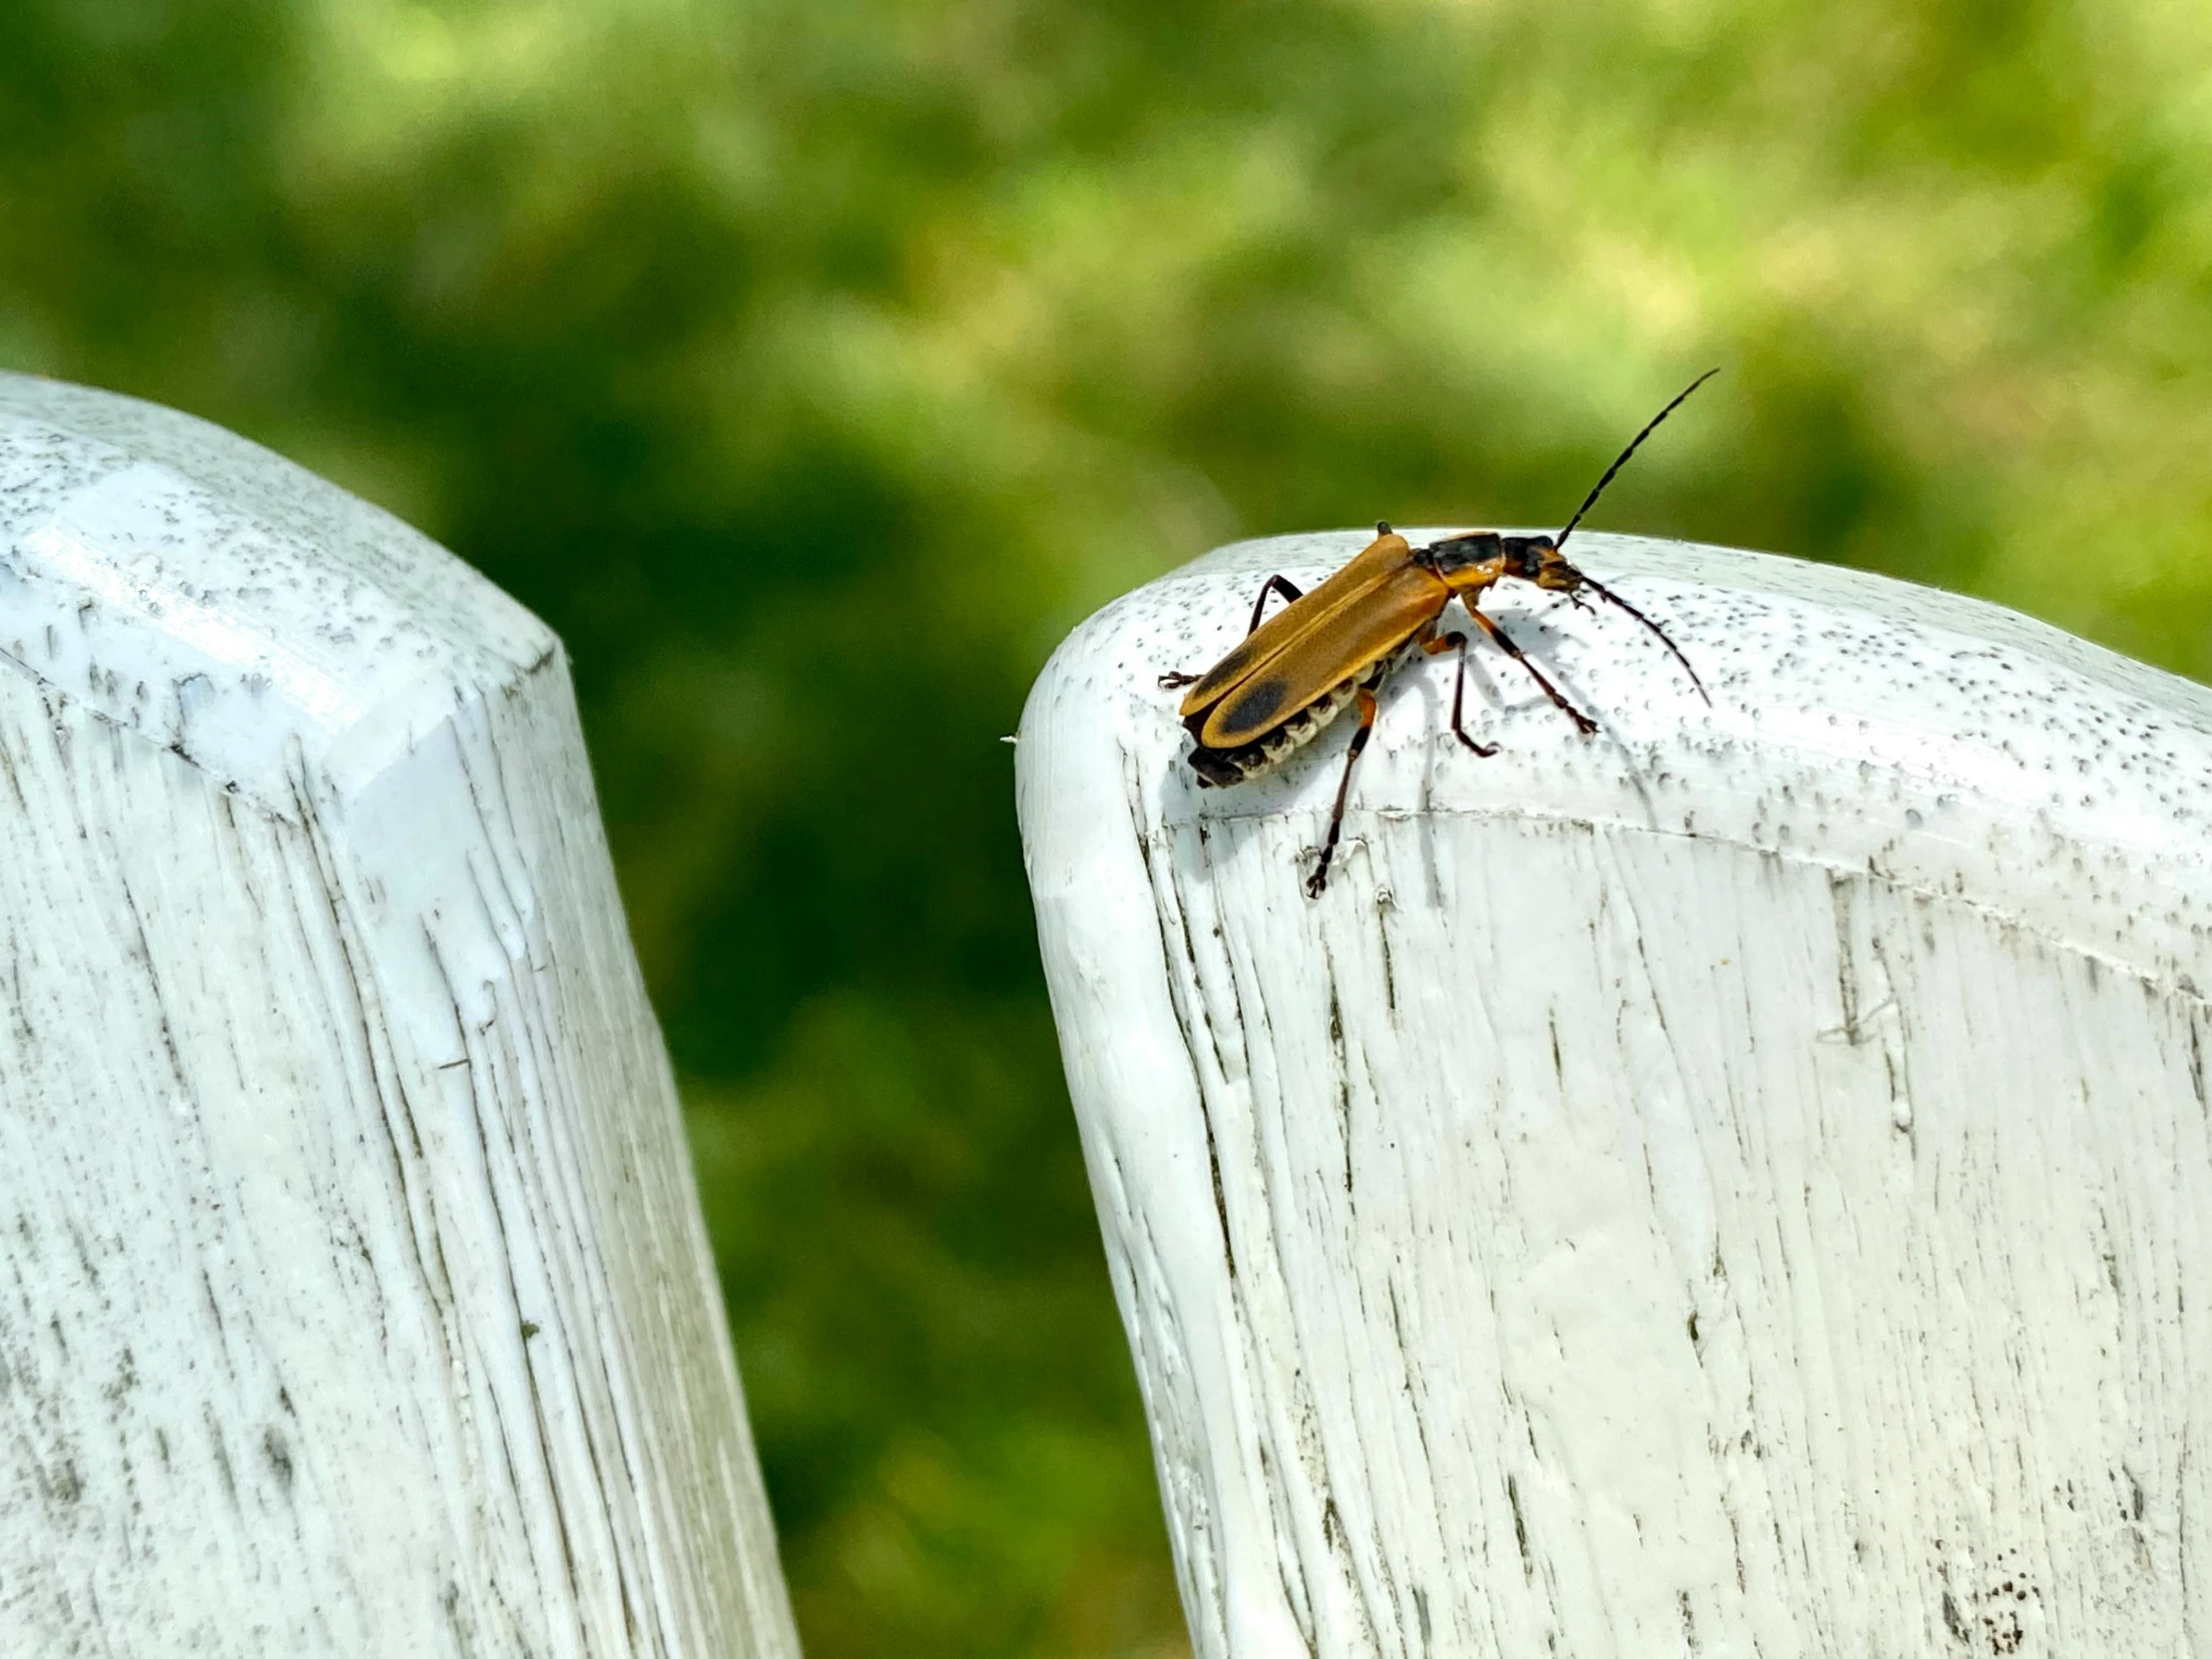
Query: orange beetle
{"type": "Point", "coordinates": [1295, 672]}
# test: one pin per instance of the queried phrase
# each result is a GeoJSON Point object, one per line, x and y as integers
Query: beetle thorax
{"type": "Point", "coordinates": [1458, 553]}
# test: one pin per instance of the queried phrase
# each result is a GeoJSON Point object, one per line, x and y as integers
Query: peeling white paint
{"type": "Point", "coordinates": [354, 1294]}
{"type": "Point", "coordinates": [1740, 1184]}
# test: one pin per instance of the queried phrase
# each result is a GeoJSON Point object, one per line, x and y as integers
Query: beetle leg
{"type": "Point", "coordinates": [1174, 679]}
{"type": "Point", "coordinates": [1274, 584]}
{"type": "Point", "coordinates": [1505, 642]}
{"type": "Point", "coordinates": [1445, 642]}
{"type": "Point", "coordinates": [1320, 879]}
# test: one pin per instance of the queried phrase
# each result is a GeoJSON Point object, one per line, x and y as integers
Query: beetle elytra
{"type": "Point", "coordinates": [1297, 670]}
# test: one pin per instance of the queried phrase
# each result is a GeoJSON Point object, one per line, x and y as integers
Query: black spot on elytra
{"type": "Point", "coordinates": [1256, 707]}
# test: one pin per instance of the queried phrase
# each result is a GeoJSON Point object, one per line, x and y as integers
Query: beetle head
{"type": "Point", "coordinates": [1537, 559]}
{"type": "Point", "coordinates": [1472, 561]}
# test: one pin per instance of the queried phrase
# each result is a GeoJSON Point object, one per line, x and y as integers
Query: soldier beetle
{"type": "Point", "coordinates": [1295, 671]}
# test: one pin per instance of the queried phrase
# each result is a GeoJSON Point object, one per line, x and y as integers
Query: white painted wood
{"type": "Point", "coordinates": [1738, 1185]}
{"type": "Point", "coordinates": [353, 1294]}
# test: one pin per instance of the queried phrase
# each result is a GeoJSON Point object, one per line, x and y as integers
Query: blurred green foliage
{"type": "Point", "coordinates": [814, 365]}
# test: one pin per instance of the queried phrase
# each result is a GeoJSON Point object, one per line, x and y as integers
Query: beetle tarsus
{"type": "Point", "coordinates": [1176, 680]}
{"type": "Point", "coordinates": [1459, 641]}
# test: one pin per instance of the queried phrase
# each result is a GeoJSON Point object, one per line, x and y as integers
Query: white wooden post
{"type": "Point", "coordinates": [353, 1294]}
{"type": "Point", "coordinates": [1737, 1185]}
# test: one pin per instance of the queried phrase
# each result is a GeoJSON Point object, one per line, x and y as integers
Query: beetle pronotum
{"type": "Point", "coordinates": [1294, 672]}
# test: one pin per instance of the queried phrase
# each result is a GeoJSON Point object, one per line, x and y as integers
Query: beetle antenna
{"type": "Point", "coordinates": [1609, 595]}
{"type": "Point", "coordinates": [1590, 501]}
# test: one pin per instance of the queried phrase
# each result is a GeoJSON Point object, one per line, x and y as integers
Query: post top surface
{"type": "Point", "coordinates": [190, 586]}
{"type": "Point", "coordinates": [1859, 721]}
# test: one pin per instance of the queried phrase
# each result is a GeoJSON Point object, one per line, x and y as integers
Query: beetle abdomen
{"type": "Point", "coordinates": [1217, 768]}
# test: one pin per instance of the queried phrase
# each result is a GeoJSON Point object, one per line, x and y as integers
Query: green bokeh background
{"type": "Point", "coordinates": [812, 365]}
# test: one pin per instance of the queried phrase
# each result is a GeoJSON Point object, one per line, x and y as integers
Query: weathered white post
{"type": "Point", "coordinates": [356, 1298]}
{"type": "Point", "coordinates": [1740, 1184]}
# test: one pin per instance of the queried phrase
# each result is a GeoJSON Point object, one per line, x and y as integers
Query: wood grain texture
{"type": "Point", "coordinates": [354, 1293]}
{"type": "Point", "coordinates": [1737, 1185]}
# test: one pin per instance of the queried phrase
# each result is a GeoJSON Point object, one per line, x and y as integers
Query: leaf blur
{"type": "Point", "coordinates": [812, 366]}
